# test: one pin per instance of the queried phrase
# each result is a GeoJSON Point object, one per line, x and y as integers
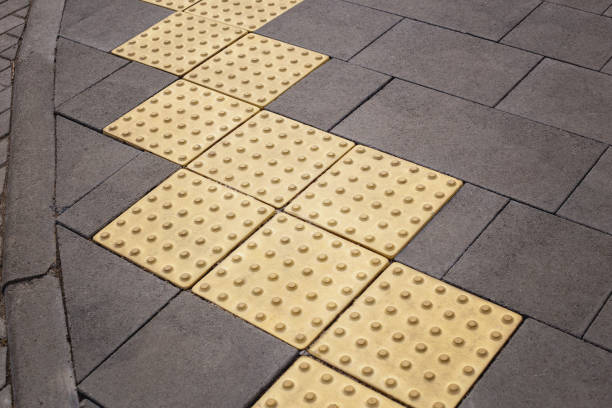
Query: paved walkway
{"type": "Point", "coordinates": [315, 203]}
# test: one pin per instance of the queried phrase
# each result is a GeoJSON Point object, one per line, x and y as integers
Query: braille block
{"type": "Point", "coordinates": [291, 279]}
{"type": "Point", "coordinates": [247, 14]}
{"type": "Point", "coordinates": [181, 121]}
{"type": "Point", "coordinates": [183, 227]}
{"type": "Point", "coordinates": [256, 69]}
{"type": "Point", "coordinates": [179, 42]}
{"type": "Point", "coordinates": [308, 383]}
{"type": "Point", "coordinates": [271, 157]}
{"type": "Point", "coordinates": [173, 4]}
{"type": "Point", "coordinates": [416, 338]}
{"type": "Point", "coordinates": [375, 199]}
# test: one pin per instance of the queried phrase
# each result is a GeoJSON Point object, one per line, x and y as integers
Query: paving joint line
{"type": "Point", "coordinates": [521, 79]}
{"type": "Point", "coordinates": [519, 23]}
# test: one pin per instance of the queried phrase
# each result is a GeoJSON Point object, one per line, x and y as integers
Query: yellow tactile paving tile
{"type": "Point", "coordinates": [256, 69]}
{"type": "Point", "coordinates": [173, 4]}
{"type": "Point", "coordinates": [181, 121]}
{"type": "Point", "coordinates": [291, 278]}
{"type": "Point", "coordinates": [271, 157]}
{"type": "Point", "coordinates": [416, 338]}
{"type": "Point", "coordinates": [183, 227]}
{"type": "Point", "coordinates": [375, 199]}
{"type": "Point", "coordinates": [310, 384]}
{"type": "Point", "coordinates": [179, 42]}
{"type": "Point", "coordinates": [247, 14]}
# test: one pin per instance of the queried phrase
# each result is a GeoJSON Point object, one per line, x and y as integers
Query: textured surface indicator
{"type": "Point", "coordinates": [291, 279]}
{"type": "Point", "coordinates": [375, 199]}
{"type": "Point", "coordinates": [256, 69]}
{"type": "Point", "coordinates": [308, 384]}
{"type": "Point", "coordinates": [271, 157]}
{"type": "Point", "coordinates": [183, 227]}
{"type": "Point", "coordinates": [179, 42]}
{"type": "Point", "coordinates": [181, 121]}
{"type": "Point", "coordinates": [247, 14]}
{"type": "Point", "coordinates": [417, 338]}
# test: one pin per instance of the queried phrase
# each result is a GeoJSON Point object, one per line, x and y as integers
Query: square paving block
{"type": "Point", "coordinates": [308, 383]}
{"type": "Point", "coordinates": [173, 4]}
{"type": "Point", "coordinates": [179, 42]}
{"type": "Point", "coordinates": [416, 338]}
{"type": "Point", "coordinates": [247, 14]}
{"type": "Point", "coordinates": [375, 199]}
{"type": "Point", "coordinates": [271, 157]}
{"type": "Point", "coordinates": [291, 279]}
{"type": "Point", "coordinates": [181, 121]}
{"type": "Point", "coordinates": [256, 69]}
{"type": "Point", "coordinates": [183, 227]}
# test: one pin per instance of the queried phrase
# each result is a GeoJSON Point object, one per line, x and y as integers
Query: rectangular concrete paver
{"type": "Point", "coordinates": [452, 230]}
{"type": "Point", "coordinates": [328, 94]}
{"type": "Point", "coordinates": [565, 96]}
{"type": "Point", "coordinates": [332, 27]}
{"type": "Point", "coordinates": [117, 193]}
{"type": "Point", "coordinates": [566, 34]}
{"type": "Point", "coordinates": [591, 202]}
{"type": "Point", "coordinates": [489, 19]}
{"type": "Point", "coordinates": [480, 145]}
{"type": "Point", "coordinates": [600, 331]}
{"type": "Point", "coordinates": [538, 264]}
{"type": "Point", "coordinates": [116, 94]}
{"type": "Point", "coordinates": [191, 355]}
{"type": "Point", "coordinates": [542, 366]}
{"type": "Point", "coordinates": [594, 6]}
{"type": "Point", "coordinates": [41, 368]}
{"type": "Point", "coordinates": [462, 65]}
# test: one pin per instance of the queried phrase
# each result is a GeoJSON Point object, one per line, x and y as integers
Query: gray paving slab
{"type": "Point", "coordinates": [608, 12]}
{"type": "Point", "coordinates": [117, 193]}
{"type": "Point", "coordinates": [10, 53]}
{"type": "Point", "coordinates": [5, 98]}
{"type": "Point", "coordinates": [600, 331]}
{"type": "Point", "coordinates": [327, 95]}
{"type": "Point", "coordinates": [3, 355]}
{"type": "Point", "coordinates": [332, 27]}
{"type": "Point", "coordinates": [115, 95]}
{"type": "Point", "coordinates": [541, 366]}
{"type": "Point", "coordinates": [11, 6]}
{"type": "Point", "coordinates": [5, 123]}
{"type": "Point", "coordinates": [85, 159]}
{"type": "Point", "coordinates": [4, 63]}
{"type": "Point", "coordinates": [8, 22]}
{"type": "Point", "coordinates": [2, 328]}
{"type": "Point", "coordinates": [88, 404]}
{"type": "Point", "coordinates": [23, 13]}
{"type": "Point", "coordinates": [192, 353]}
{"type": "Point", "coordinates": [594, 6]}
{"type": "Point", "coordinates": [16, 31]}
{"type": "Point", "coordinates": [444, 239]}
{"type": "Point", "coordinates": [7, 41]}
{"type": "Point", "coordinates": [4, 144]}
{"type": "Point", "coordinates": [538, 264]}
{"type": "Point", "coordinates": [459, 64]}
{"type": "Point", "coordinates": [591, 202]}
{"type": "Point", "coordinates": [483, 146]}
{"type": "Point", "coordinates": [107, 299]}
{"type": "Point", "coordinates": [491, 19]}
{"type": "Point", "coordinates": [567, 97]}
{"type": "Point", "coordinates": [105, 24]}
{"type": "Point", "coordinates": [566, 34]}
{"type": "Point", "coordinates": [6, 399]}
{"type": "Point", "coordinates": [6, 77]}
{"type": "Point", "coordinates": [41, 369]}
{"type": "Point", "coordinates": [77, 67]}
{"type": "Point", "coordinates": [607, 68]}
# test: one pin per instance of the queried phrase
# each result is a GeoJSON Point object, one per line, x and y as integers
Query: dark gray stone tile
{"type": "Point", "coordinates": [9, 53]}
{"type": "Point", "coordinates": [5, 98]}
{"type": "Point", "coordinates": [564, 33]}
{"type": "Point", "coordinates": [541, 265]}
{"type": "Point", "coordinates": [107, 299]}
{"type": "Point", "coordinates": [11, 6]}
{"type": "Point", "coordinates": [88, 404]}
{"type": "Point", "coordinates": [23, 13]}
{"type": "Point", "coordinates": [3, 355]}
{"type": "Point", "coordinates": [7, 41]}
{"type": "Point", "coordinates": [84, 159]}
{"type": "Point", "coordinates": [41, 369]}
{"type": "Point", "coordinates": [600, 331]}
{"type": "Point", "coordinates": [117, 193]}
{"type": "Point", "coordinates": [4, 146]}
{"type": "Point", "coordinates": [5, 123]}
{"type": "Point", "coordinates": [6, 399]}
{"type": "Point", "coordinates": [116, 94]}
{"type": "Point", "coordinates": [565, 96]}
{"type": "Point", "coordinates": [591, 202]}
{"type": "Point", "coordinates": [328, 94]}
{"type": "Point", "coordinates": [78, 67]}
{"type": "Point", "coordinates": [460, 64]}
{"type": "Point", "coordinates": [16, 31]}
{"type": "Point", "coordinates": [8, 22]}
{"type": "Point", "coordinates": [607, 68]}
{"type": "Point", "coordinates": [543, 367]}
{"type": "Point", "coordinates": [489, 19]}
{"type": "Point", "coordinates": [483, 146]}
{"type": "Point", "coordinates": [6, 77]}
{"type": "Point", "coordinates": [4, 63]}
{"type": "Point", "coordinates": [332, 27]}
{"type": "Point", "coordinates": [442, 241]}
{"type": "Point", "coordinates": [192, 353]}
{"type": "Point", "coordinates": [105, 24]}
{"type": "Point", "coordinates": [608, 12]}
{"type": "Point", "coordinates": [594, 6]}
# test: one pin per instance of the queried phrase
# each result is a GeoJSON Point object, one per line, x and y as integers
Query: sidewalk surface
{"type": "Point", "coordinates": [306, 203]}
